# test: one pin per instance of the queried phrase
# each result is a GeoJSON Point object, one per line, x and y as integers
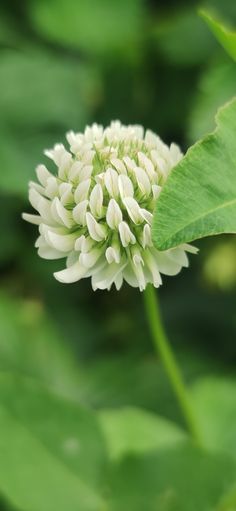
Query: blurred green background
{"type": "Point", "coordinates": [65, 64]}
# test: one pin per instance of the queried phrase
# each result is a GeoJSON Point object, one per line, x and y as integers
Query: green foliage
{"type": "Point", "coordinates": [214, 400]}
{"type": "Point", "coordinates": [71, 23]}
{"type": "Point", "coordinates": [199, 197]}
{"type": "Point", "coordinates": [224, 35]}
{"type": "Point", "coordinates": [51, 452]}
{"type": "Point", "coordinates": [216, 87]}
{"type": "Point", "coordinates": [182, 478]}
{"type": "Point", "coordinates": [33, 117]}
{"type": "Point", "coordinates": [183, 39]}
{"type": "Point", "coordinates": [31, 345]}
{"type": "Point", "coordinates": [134, 431]}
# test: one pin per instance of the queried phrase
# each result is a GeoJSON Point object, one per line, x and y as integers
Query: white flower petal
{"type": "Point", "coordinates": [133, 209]}
{"type": "Point", "coordinates": [37, 187]}
{"type": "Point", "coordinates": [118, 281]}
{"type": "Point", "coordinates": [175, 153]}
{"type": "Point", "coordinates": [96, 200]}
{"type": "Point", "coordinates": [81, 192]}
{"type": "Point", "coordinates": [156, 190]}
{"type": "Point", "coordinates": [61, 214]}
{"type": "Point", "coordinates": [119, 165]}
{"type": "Point", "coordinates": [64, 243]}
{"type": "Point", "coordinates": [42, 205]}
{"type": "Point", "coordinates": [130, 163]}
{"type": "Point", "coordinates": [166, 265]}
{"type": "Point", "coordinates": [111, 182]}
{"type": "Point", "coordinates": [114, 214]}
{"type": "Point", "coordinates": [146, 215]}
{"type": "Point", "coordinates": [113, 255]}
{"type": "Point", "coordinates": [87, 244]}
{"type": "Point", "coordinates": [125, 185]}
{"type": "Point", "coordinates": [139, 273]}
{"type": "Point", "coordinates": [190, 248]}
{"type": "Point", "coordinates": [47, 252]}
{"type": "Point", "coordinates": [43, 174]}
{"type": "Point", "coordinates": [104, 278]}
{"type": "Point", "coordinates": [178, 256]}
{"type": "Point", "coordinates": [79, 212]}
{"type": "Point", "coordinates": [146, 163]}
{"type": "Point", "coordinates": [126, 236]}
{"type": "Point", "coordinates": [85, 172]}
{"type": "Point", "coordinates": [152, 265]}
{"type": "Point", "coordinates": [75, 170]}
{"type": "Point", "coordinates": [96, 230]}
{"type": "Point", "coordinates": [79, 242]}
{"type": "Point", "coordinates": [146, 239]}
{"type": "Point", "coordinates": [32, 219]}
{"type": "Point", "coordinates": [142, 180]}
{"type": "Point", "coordinates": [52, 188]}
{"type": "Point", "coordinates": [71, 274]}
{"type": "Point", "coordinates": [136, 256]}
{"type": "Point", "coordinates": [89, 259]}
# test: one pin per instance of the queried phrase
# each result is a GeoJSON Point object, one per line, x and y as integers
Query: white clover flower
{"type": "Point", "coordinates": [97, 210]}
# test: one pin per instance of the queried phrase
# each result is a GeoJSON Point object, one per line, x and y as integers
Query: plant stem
{"type": "Point", "coordinates": [163, 348]}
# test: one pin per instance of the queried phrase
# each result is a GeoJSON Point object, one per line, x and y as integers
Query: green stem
{"type": "Point", "coordinates": [163, 348]}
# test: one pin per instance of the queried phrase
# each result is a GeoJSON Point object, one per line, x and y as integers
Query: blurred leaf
{"type": "Point", "coordinates": [181, 478]}
{"type": "Point", "coordinates": [183, 39]}
{"type": "Point", "coordinates": [132, 430]}
{"type": "Point", "coordinates": [228, 502]}
{"type": "Point", "coordinates": [41, 97]}
{"type": "Point", "coordinates": [51, 451]}
{"type": "Point", "coordinates": [226, 37]}
{"type": "Point", "coordinates": [217, 86]}
{"type": "Point", "coordinates": [31, 345]}
{"type": "Point", "coordinates": [215, 403]}
{"type": "Point", "coordinates": [101, 27]}
{"type": "Point", "coordinates": [199, 197]}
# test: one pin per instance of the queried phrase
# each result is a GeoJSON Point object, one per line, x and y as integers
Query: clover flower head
{"type": "Point", "coordinates": [97, 209]}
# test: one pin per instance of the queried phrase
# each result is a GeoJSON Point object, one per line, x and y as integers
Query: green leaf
{"type": "Point", "coordinates": [214, 401]}
{"type": "Point", "coordinates": [181, 478]}
{"type": "Point", "coordinates": [52, 452]}
{"type": "Point", "coordinates": [228, 502]}
{"type": "Point", "coordinates": [199, 198]}
{"type": "Point", "coordinates": [132, 430]}
{"type": "Point", "coordinates": [101, 27]}
{"type": "Point", "coordinates": [225, 36]}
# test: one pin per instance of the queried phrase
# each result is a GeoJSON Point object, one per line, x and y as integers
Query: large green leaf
{"type": "Point", "coordinates": [52, 453]}
{"type": "Point", "coordinates": [181, 478]}
{"type": "Point", "coordinates": [199, 198]}
{"type": "Point", "coordinates": [132, 430]}
{"type": "Point", "coordinates": [224, 35]}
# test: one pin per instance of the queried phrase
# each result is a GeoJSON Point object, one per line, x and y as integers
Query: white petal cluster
{"type": "Point", "coordinates": [97, 209]}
